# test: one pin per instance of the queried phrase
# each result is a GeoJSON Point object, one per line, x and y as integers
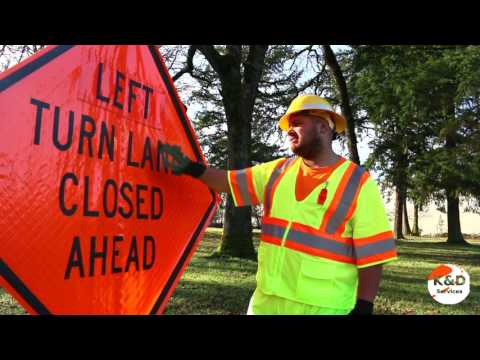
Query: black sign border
{"type": "Point", "coordinates": [13, 280]}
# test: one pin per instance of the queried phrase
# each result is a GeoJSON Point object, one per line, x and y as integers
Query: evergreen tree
{"type": "Point", "coordinates": [423, 102]}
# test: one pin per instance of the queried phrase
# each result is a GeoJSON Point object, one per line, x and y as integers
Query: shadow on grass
{"type": "Point", "coordinates": [398, 279]}
{"type": "Point", "coordinates": [216, 254]}
{"type": "Point", "coordinates": [440, 245]}
{"type": "Point", "coordinates": [223, 264]}
{"type": "Point", "coordinates": [398, 289]}
{"type": "Point", "coordinates": [439, 253]}
{"type": "Point", "coordinates": [203, 268]}
{"type": "Point", "coordinates": [197, 297]}
{"type": "Point", "coordinates": [473, 260]}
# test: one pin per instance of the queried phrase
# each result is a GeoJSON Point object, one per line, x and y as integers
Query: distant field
{"type": "Point", "coordinates": [223, 286]}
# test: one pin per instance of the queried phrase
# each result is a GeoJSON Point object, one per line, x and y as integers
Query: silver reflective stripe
{"type": "Point", "coordinates": [317, 106]}
{"type": "Point", "coordinates": [375, 248]}
{"type": "Point", "coordinates": [320, 243]}
{"type": "Point", "coordinates": [243, 187]}
{"type": "Point", "coordinates": [275, 174]}
{"type": "Point", "coordinates": [345, 201]}
{"type": "Point", "coordinates": [273, 230]}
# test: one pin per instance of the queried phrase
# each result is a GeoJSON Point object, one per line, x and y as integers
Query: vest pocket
{"type": "Point", "coordinates": [266, 275]}
{"type": "Point", "coordinates": [316, 284]}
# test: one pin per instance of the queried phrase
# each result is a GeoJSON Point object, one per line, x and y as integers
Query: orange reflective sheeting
{"type": "Point", "coordinates": [377, 257]}
{"type": "Point", "coordinates": [338, 195]}
{"type": "Point", "coordinates": [371, 239]}
{"type": "Point", "coordinates": [273, 230]}
{"type": "Point", "coordinates": [280, 170]}
{"type": "Point", "coordinates": [307, 239]}
{"type": "Point", "coordinates": [242, 187]}
{"type": "Point", "coordinates": [353, 204]}
{"type": "Point", "coordinates": [236, 192]}
{"type": "Point", "coordinates": [251, 187]}
{"type": "Point", "coordinates": [312, 241]}
{"type": "Point", "coordinates": [93, 220]}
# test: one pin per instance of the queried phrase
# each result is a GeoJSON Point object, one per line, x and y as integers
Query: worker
{"type": "Point", "coordinates": [325, 233]}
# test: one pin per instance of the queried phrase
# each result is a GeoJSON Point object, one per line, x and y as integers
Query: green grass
{"type": "Point", "coordinates": [403, 289]}
{"type": "Point", "coordinates": [223, 286]}
{"type": "Point", "coordinates": [213, 284]}
{"type": "Point", "coordinates": [8, 305]}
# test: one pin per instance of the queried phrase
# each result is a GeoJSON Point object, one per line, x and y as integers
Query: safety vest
{"type": "Point", "coordinates": [310, 251]}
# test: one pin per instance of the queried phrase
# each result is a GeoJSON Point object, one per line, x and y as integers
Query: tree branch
{"type": "Point", "coordinates": [312, 80]}
{"type": "Point", "coordinates": [341, 83]}
{"type": "Point", "coordinates": [188, 68]}
{"type": "Point", "coordinates": [212, 56]}
{"type": "Point", "coordinates": [253, 69]}
{"type": "Point", "coordinates": [235, 52]}
{"type": "Point", "coordinates": [298, 53]}
{"type": "Point", "coordinates": [254, 64]}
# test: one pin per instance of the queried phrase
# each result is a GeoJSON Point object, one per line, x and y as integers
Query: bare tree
{"type": "Point", "coordinates": [12, 54]}
{"type": "Point", "coordinates": [338, 75]}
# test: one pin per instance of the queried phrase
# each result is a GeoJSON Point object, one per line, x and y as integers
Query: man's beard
{"type": "Point", "coordinates": [310, 148]}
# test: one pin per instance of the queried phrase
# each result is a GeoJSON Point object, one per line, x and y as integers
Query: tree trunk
{"type": "Point", "coordinates": [237, 231]}
{"type": "Point", "coordinates": [415, 230]}
{"type": "Point", "coordinates": [238, 96]}
{"type": "Point", "coordinates": [398, 212]}
{"type": "Point", "coordinates": [406, 224]}
{"type": "Point", "coordinates": [337, 73]}
{"type": "Point", "coordinates": [455, 236]}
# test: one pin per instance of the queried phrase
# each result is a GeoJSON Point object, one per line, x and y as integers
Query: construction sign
{"type": "Point", "coordinates": [92, 219]}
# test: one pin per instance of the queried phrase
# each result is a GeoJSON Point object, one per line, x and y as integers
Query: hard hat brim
{"type": "Point", "coordinates": [340, 122]}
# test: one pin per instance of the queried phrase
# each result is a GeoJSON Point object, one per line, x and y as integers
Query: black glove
{"type": "Point", "coordinates": [182, 164]}
{"type": "Point", "coordinates": [194, 169]}
{"type": "Point", "coordinates": [363, 307]}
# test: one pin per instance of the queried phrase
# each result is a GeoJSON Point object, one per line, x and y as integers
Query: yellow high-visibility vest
{"type": "Point", "coordinates": [310, 251]}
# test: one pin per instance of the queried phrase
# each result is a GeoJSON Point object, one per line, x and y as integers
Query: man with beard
{"type": "Point", "coordinates": [325, 232]}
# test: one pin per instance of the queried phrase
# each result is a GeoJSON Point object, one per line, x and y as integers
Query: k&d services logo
{"type": "Point", "coordinates": [449, 284]}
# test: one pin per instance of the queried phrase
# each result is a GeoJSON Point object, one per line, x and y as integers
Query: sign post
{"type": "Point", "coordinates": [92, 219]}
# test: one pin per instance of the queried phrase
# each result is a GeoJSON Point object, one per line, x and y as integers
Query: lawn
{"type": "Point", "coordinates": [223, 286]}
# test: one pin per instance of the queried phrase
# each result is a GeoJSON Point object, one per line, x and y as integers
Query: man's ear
{"type": "Point", "coordinates": [324, 127]}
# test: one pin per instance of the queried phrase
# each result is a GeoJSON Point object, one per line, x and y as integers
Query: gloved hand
{"type": "Point", "coordinates": [363, 307]}
{"type": "Point", "coordinates": [182, 164]}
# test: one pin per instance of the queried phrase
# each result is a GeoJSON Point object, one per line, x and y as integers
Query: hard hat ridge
{"type": "Point", "coordinates": [312, 102]}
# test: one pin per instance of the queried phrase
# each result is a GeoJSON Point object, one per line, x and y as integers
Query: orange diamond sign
{"type": "Point", "coordinates": [93, 220]}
